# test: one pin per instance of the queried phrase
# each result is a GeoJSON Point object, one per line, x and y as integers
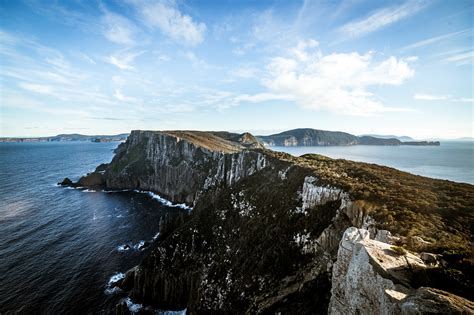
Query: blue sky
{"type": "Point", "coordinates": [105, 67]}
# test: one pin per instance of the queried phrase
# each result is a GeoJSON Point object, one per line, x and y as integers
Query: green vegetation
{"type": "Point", "coordinates": [439, 211]}
{"type": "Point", "coordinates": [400, 251]}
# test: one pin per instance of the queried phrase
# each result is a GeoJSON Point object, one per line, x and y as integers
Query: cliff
{"type": "Point", "coordinates": [265, 228]}
{"type": "Point", "coordinates": [180, 164]}
{"type": "Point", "coordinates": [315, 137]}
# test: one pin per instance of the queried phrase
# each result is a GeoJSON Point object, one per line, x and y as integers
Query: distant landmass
{"type": "Point", "coordinates": [401, 138]}
{"type": "Point", "coordinates": [70, 137]}
{"type": "Point", "coordinates": [295, 137]}
{"type": "Point", "coordinates": [315, 137]}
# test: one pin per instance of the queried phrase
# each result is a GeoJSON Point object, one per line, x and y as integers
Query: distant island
{"type": "Point", "coordinates": [315, 137]}
{"type": "Point", "coordinates": [70, 137]}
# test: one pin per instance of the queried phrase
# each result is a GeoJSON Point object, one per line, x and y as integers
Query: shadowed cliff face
{"type": "Point", "coordinates": [265, 228]}
{"type": "Point", "coordinates": [249, 246]}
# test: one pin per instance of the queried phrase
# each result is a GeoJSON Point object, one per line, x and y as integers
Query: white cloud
{"type": "Point", "coordinates": [87, 58]}
{"type": "Point", "coordinates": [119, 95]}
{"type": "Point", "coordinates": [263, 97]}
{"type": "Point", "coordinates": [196, 61]}
{"type": "Point", "coordinates": [430, 97]}
{"type": "Point", "coordinates": [245, 72]}
{"type": "Point", "coordinates": [436, 39]}
{"type": "Point", "coordinates": [381, 18]}
{"type": "Point", "coordinates": [462, 58]}
{"type": "Point", "coordinates": [123, 60]}
{"type": "Point", "coordinates": [337, 82]}
{"type": "Point", "coordinates": [179, 27]}
{"type": "Point", "coordinates": [463, 100]}
{"type": "Point", "coordinates": [37, 88]}
{"type": "Point", "coordinates": [118, 29]}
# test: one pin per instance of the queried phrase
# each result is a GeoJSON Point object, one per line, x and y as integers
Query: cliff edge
{"type": "Point", "coordinates": [265, 230]}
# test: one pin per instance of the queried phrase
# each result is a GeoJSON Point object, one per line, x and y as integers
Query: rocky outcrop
{"type": "Point", "coordinates": [372, 277]}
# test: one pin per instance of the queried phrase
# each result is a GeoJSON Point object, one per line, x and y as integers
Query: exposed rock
{"type": "Point", "coordinates": [369, 279]}
{"type": "Point", "coordinates": [434, 301]}
{"type": "Point", "coordinates": [66, 182]}
{"type": "Point", "coordinates": [429, 258]}
{"type": "Point", "coordinates": [179, 165]}
{"type": "Point", "coordinates": [385, 236]}
{"type": "Point", "coordinates": [94, 179]}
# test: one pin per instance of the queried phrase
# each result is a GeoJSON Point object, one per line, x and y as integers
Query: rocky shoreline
{"type": "Point", "coordinates": [272, 233]}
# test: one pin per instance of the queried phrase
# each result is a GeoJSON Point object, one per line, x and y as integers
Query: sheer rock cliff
{"type": "Point", "coordinates": [264, 235]}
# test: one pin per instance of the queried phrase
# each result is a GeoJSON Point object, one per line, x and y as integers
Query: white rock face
{"type": "Point", "coordinates": [370, 278]}
{"type": "Point", "coordinates": [314, 195]}
{"type": "Point", "coordinates": [356, 287]}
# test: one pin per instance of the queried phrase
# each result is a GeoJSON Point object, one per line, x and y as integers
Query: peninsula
{"type": "Point", "coordinates": [269, 232]}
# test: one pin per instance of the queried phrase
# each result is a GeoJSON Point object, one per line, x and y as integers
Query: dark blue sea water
{"type": "Point", "coordinates": [453, 160]}
{"type": "Point", "coordinates": [59, 246]}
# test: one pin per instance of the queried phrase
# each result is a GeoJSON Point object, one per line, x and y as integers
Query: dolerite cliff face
{"type": "Point", "coordinates": [266, 227]}
{"type": "Point", "coordinates": [179, 165]}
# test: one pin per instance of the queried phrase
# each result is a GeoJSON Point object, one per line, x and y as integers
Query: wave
{"type": "Point", "coordinates": [115, 191]}
{"type": "Point", "coordinates": [183, 312]}
{"type": "Point", "coordinates": [123, 247]}
{"type": "Point", "coordinates": [164, 201]}
{"type": "Point", "coordinates": [153, 195]}
{"type": "Point", "coordinates": [132, 307]}
{"type": "Point", "coordinates": [111, 288]}
{"type": "Point", "coordinates": [141, 245]}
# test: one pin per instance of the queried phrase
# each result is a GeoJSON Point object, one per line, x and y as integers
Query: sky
{"type": "Point", "coordinates": [364, 67]}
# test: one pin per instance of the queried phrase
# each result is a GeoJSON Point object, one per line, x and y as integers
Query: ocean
{"type": "Point", "coordinates": [60, 247]}
{"type": "Point", "coordinates": [452, 160]}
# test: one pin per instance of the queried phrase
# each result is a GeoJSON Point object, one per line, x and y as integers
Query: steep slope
{"type": "Point", "coordinates": [265, 228]}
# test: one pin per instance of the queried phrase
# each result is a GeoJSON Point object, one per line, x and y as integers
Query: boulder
{"type": "Point", "coordinates": [385, 237]}
{"type": "Point", "coordinates": [434, 301]}
{"type": "Point", "coordinates": [429, 258]}
{"type": "Point", "coordinates": [66, 182]}
{"type": "Point", "coordinates": [369, 278]}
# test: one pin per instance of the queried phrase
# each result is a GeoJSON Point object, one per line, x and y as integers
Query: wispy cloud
{"type": "Point", "coordinates": [381, 18]}
{"type": "Point", "coordinates": [461, 58]}
{"type": "Point", "coordinates": [264, 97]}
{"type": "Point", "coordinates": [174, 24]}
{"type": "Point", "coordinates": [118, 29]}
{"type": "Point", "coordinates": [449, 98]}
{"type": "Point", "coordinates": [430, 97]}
{"type": "Point", "coordinates": [37, 88]}
{"type": "Point", "coordinates": [123, 60]}
{"type": "Point", "coordinates": [336, 82]}
{"type": "Point", "coordinates": [440, 38]}
{"type": "Point", "coordinates": [121, 97]}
